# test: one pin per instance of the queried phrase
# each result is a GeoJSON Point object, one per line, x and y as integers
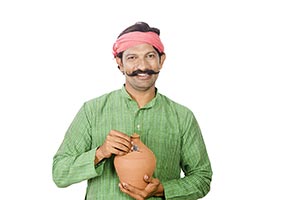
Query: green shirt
{"type": "Point", "coordinates": [169, 129]}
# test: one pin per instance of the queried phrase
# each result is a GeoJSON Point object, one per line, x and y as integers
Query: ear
{"type": "Point", "coordinates": [120, 64]}
{"type": "Point", "coordinates": [162, 60]}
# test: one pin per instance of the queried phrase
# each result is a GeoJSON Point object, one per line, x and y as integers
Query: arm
{"type": "Point", "coordinates": [195, 164]}
{"type": "Point", "coordinates": [74, 160]}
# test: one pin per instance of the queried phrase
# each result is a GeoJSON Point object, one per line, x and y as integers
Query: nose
{"type": "Point", "coordinates": [143, 64]}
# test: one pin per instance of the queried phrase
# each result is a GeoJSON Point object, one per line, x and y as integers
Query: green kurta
{"type": "Point", "coordinates": [170, 130]}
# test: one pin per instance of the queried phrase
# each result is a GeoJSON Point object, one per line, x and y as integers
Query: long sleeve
{"type": "Point", "coordinates": [195, 165]}
{"type": "Point", "coordinates": [167, 128]}
{"type": "Point", "coordinates": [74, 160]}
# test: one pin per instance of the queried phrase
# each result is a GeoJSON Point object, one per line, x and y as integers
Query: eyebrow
{"type": "Point", "coordinates": [130, 54]}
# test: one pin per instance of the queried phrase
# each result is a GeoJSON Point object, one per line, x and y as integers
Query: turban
{"type": "Point", "coordinates": [135, 38]}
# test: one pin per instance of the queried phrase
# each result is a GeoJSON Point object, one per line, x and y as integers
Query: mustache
{"type": "Point", "coordinates": [147, 71]}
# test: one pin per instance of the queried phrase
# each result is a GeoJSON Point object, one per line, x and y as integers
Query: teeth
{"type": "Point", "coordinates": [143, 74]}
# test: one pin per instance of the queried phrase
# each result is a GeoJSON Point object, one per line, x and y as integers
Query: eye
{"type": "Point", "coordinates": [131, 57]}
{"type": "Point", "coordinates": [151, 55]}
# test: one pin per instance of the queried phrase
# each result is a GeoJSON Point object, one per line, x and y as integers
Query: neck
{"type": "Point", "coordinates": [141, 97]}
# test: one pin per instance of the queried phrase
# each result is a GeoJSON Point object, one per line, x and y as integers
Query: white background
{"type": "Point", "coordinates": [235, 64]}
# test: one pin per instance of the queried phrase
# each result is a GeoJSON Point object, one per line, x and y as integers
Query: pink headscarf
{"type": "Point", "coordinates": [135, 38]}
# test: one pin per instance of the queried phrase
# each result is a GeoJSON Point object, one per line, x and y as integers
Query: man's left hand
{"type": "Point", "coordinates": [154, 188]}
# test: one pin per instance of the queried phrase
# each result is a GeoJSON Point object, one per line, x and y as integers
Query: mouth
{"type": "Point", "coordinates": [142, 73]}
{"type": "Point", "coordinates": [143, 76]}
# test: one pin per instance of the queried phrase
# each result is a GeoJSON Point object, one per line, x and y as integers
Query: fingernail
{"type": "Point", "coordinates": [146, 177]}
{"type": "Point", "coordinates": [124, 185]}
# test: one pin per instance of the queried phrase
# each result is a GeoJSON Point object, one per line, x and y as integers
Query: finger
{"type": "Point", "coordinates": [119, 144]}
{"type": "Point", "coordinates": [131, 191]}
{"type": "Point", "coordinates": [115, 148]}
{"type": "Point", "coordinates": [120, 138]}
{"type": "Point", "coordinates": [120, 135]}
{"type": "Point", "coordinates": [130, 188]}
{"type": "Point", "coordinates": [117, 152]}
{"type": "Point", "coordinates": [147, 178]}
{"type": "Point", "coordinates": [121, 147]}
{"type": "Point", "coordinates": [152, 184]}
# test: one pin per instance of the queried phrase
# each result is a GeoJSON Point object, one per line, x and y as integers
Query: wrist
{"type": "Point", "coordinates": [99, 156]}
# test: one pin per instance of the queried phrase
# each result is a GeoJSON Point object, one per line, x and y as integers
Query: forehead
{"type": "Point", "coordinates": [140, 49]}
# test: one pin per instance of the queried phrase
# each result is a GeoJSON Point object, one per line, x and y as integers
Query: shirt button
{"type": "Point", "coordinates": [138, 127]}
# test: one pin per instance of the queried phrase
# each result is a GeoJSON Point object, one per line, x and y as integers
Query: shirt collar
{"type": "Point", "coordinates": [126, 95]}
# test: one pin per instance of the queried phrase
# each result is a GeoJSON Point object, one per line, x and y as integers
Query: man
{"type": "Point", "coordinates": [103, 126]}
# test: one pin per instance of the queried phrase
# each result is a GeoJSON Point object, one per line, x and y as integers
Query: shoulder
{"type": "Point", "coordinates": [176, 107]}
{"type": "Point", "coordinates": [103, 97]}
{"type": "Point", "coordinates": [178, 113]}
{"type": "Point", "coordinates": [99, 102]}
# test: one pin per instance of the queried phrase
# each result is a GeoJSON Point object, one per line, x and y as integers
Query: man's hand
{"type": "Point", "coordinates": [154, 188]}
{"type": "Point", "coordinates": [116, 142]}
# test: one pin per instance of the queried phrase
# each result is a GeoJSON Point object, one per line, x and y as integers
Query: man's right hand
{"type": "Point", "coordinates": [116, 142]}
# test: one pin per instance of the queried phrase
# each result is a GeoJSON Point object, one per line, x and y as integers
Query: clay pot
{"type": "Point", "coordinates": [132, 167]}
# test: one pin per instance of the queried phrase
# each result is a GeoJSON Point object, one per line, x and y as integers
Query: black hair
{"type": "Point", "coordinates": [141, 27]}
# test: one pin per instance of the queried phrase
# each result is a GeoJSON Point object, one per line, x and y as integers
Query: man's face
{"type": "Point", "coordinates": [141, 57]}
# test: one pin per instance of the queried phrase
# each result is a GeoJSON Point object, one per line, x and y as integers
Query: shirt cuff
{"type": "Point", "coordinates": [100, 165]}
